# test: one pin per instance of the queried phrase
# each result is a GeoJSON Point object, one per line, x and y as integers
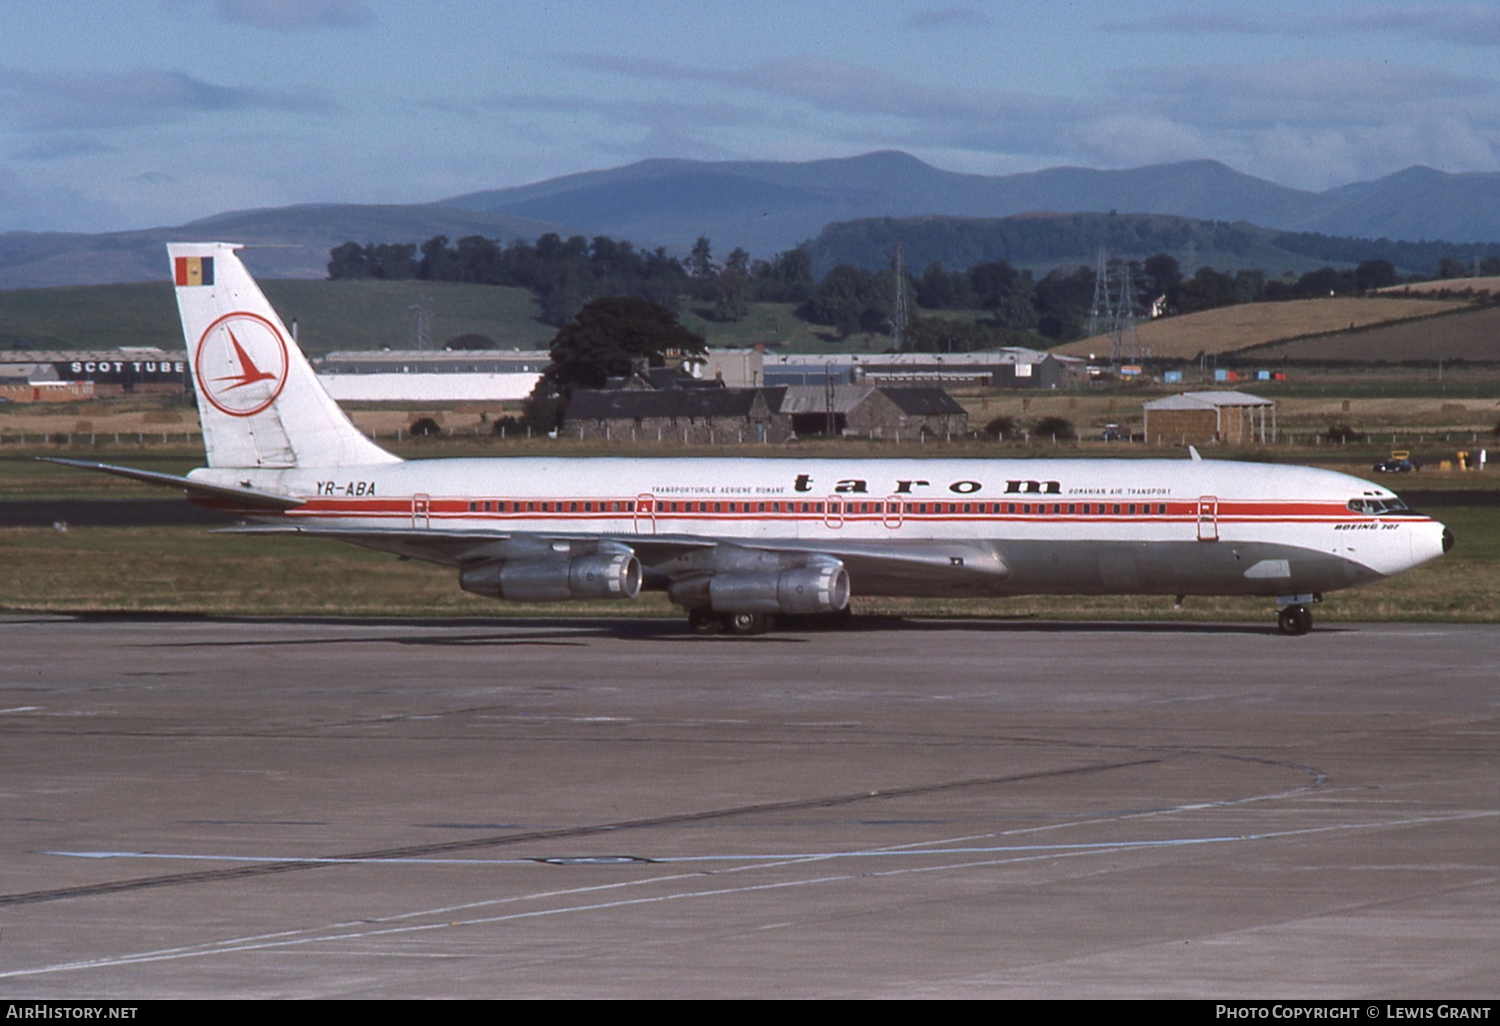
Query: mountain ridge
{"type": "Point", "coordinates": [770, 206]}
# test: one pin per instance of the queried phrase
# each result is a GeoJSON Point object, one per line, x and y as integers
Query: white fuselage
{"type": "Point", "coordinates": [1036, 525]}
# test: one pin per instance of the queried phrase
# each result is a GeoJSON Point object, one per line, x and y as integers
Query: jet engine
{"type": "Point", "coordinates": [821, 587]}
{"type": "Point", "coordinates": [608, 573]}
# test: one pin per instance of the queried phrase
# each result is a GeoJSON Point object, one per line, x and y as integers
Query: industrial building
{"type": "Point", "coordinates": [66, 376]}
{"type": "Point", "coordinates": [431, 376]}
{"type": "Point", "coordinates": [1012, 367]}
{"type": "Point", "coordinates": [1199, 418]}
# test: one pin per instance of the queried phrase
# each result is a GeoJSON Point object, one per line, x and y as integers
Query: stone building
{"type": "Point", "coordinates": [872, 411]}
{"type": "Point", "coordinates": [689, 416]}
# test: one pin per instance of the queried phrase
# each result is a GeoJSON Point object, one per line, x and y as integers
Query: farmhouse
{"type": "Point", "coordinates": [690, 416]}
{"type": "Point", "coordinates": [874, 412]}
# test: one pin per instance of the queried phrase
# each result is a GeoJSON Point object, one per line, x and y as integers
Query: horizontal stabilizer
{"type": "Point", "coordinates": [246, 497]}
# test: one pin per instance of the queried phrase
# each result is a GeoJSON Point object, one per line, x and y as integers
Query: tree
{"type": "Point", "coordinates": [347, 261]}
{"type": "Point", "coordinates": [786, 278]}
{"type": "Point", "coordinates": [701, 266]}
{"type": "Point", "coordinates": [609, 337]}
{"type": "Point", "coordinates": [1374, 274]}
{"type": "Point", "coordinates": [841, 298]}
{"type": "Point", "coordinates": [1162, 274]}
{"type": "Point", "coordinates": [732, 301]}
{"type": "Point", "coordinates": [1449, 267]}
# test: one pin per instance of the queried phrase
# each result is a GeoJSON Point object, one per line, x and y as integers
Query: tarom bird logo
{"type": "Point", "coordinates": [249, 373]}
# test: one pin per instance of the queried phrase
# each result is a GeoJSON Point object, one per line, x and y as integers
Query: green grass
{"type": "Point", "coordinates": [331, 315]}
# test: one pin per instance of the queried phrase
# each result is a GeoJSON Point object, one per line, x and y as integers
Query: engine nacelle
{"type": "Point", "coordinates": [606, 574]}
{"type": "Point", "coordinates": [820, 588]}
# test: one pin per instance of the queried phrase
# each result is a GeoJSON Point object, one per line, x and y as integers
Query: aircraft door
{"type": "Point", "coordinates": [891, 516]}
{"type": "Point", "coordinates": [1208, 518]}
{"type": "Point", "coordinates": [421, 508]}
{"type": "Point", "coordinates": [834, 515]}
{"type": "Point", "coordinates": [645, 513]}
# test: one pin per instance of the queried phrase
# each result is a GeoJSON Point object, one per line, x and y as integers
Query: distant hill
{"type": "Point", "coordinates": [769, 206]}
{"type": "Point", "coordinates": [1044, 241]}
{"type": "Point", "coordinates": [296, 242]}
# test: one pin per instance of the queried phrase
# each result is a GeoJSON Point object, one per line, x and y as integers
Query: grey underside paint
{"type": "Point", "coordinates": [937, 568]}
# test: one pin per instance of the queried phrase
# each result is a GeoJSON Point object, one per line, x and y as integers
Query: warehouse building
{"type": "Point", "coordinates": [1011, 367]}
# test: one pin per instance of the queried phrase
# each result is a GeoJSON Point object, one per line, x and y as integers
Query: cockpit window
{"type": "Point", "coordinates": [1377, 507]}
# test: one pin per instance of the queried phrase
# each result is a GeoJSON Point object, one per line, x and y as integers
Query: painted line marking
{"type": "Point", "coordinates": [865, 853]}
{"type": "Point", "coordinates": [324, 934]}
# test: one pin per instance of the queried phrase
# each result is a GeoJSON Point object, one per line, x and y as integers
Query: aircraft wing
{"type": "Point", "coordinates": [217, 495]}
{"type": "Point", "coordinates": [956, 567]}
{"type": "Point", "coordinates": [457, 547]}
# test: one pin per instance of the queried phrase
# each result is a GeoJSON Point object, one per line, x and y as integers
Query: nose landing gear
{"type": "Point", "coordinates": [1294, 620]}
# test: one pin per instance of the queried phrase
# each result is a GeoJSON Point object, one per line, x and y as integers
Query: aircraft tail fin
{"type": "Point", "coordinates": [259, 400]}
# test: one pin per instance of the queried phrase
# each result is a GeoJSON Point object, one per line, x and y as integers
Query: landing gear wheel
{"type": "Point", "coordinates": [705, 621]}
{"type": "Point", "coordinates": [1294, 620]}
{"type": "Point", "coordinates": [746, 624]}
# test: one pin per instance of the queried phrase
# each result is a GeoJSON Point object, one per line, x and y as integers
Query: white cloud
{"type": "Point", "coordinates": [948, 18]}
{"type": "Point", "coordinates": [1133, 139]}
{"type": "Point", "coordinates": [292, 15]}
{"type": "Point", "coordinates": [1464, 24]}
{"type": "Point", "coordinates": [96, 100]}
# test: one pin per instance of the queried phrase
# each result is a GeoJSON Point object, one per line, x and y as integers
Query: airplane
{"type": "Point", "coordinates": [739, 542]}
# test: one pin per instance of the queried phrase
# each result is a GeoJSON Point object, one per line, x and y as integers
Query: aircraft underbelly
{"type": "Point", "coordinates": [1173, 568]}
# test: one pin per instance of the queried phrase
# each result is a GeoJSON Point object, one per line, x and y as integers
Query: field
{"type": "Point", "coordinates": [1486, 284]}
{"type": "Point", "coordinates": [1228, 329]}
{"type": "Point", "coordinates": [1466, 335]}
{"type": "Point", "coordinates": [331, 315]}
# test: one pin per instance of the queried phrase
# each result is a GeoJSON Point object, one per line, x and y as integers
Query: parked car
{"type": "Point", "coordinates": [1394, 466]}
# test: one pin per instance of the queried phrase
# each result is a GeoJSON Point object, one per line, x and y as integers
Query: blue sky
{"type": "Point", "coordinates": [131, 113]}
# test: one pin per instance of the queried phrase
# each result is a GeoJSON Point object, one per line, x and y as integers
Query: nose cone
{"type": "Point", "coordinates": [1430, 541]}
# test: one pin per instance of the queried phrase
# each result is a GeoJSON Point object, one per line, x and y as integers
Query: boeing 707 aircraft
{"type": "Point", "coordinates": [737, 542]}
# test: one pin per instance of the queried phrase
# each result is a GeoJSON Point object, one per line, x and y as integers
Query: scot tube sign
{"type": "Point", "coordinates": [240, 364]}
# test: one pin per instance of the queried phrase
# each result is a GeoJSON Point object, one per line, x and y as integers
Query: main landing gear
{"type": "Point", "coordinates": [706, 621]}
{"type": "Point", "coordinates": [1294, 619]}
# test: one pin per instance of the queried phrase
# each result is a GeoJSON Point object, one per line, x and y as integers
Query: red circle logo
{"type": "Point", "coordinates": [240, 364]}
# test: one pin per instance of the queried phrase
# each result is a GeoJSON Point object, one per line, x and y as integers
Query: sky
{"type": "Point", "coordinates": [118, 114]}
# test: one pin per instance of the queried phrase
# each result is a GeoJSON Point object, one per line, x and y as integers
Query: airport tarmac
{"type": "Point", "coordinates": [541, 808]}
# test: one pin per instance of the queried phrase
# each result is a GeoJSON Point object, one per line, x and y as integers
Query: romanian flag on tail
{"type": "Point", "coordinates": [194, 270]}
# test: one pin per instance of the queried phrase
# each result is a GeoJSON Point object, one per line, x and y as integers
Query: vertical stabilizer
{"type": "Point", "coordinates": [258, 399]}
